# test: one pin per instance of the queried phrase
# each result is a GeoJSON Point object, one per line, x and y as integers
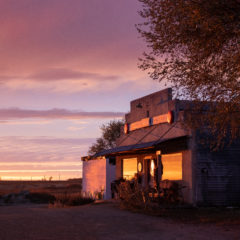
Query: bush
{"type": "Point", "coordinates": [170, 192]}
{"type": "Point", "coordinates": [40, 197]}
{"type": "Point", "coordinates": [133, 196]}
{"type": "Point", "coordinates": [70, 199]}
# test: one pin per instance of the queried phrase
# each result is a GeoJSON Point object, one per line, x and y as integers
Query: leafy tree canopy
{"type": "Point", "coordinates": [110, 132]}
{"type": "Point", "coordinates": [195, 46]}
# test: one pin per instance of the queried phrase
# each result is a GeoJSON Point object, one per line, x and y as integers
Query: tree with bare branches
{"type": "Point", "coordinates": [110, 132]}
{"type": "Point", "coordinates": [195, 46]}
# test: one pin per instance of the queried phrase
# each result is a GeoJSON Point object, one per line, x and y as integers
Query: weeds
{"type": "Point", "coordinates": [167, 202]}
{"type": "Point", "coordinates": [70, 199]}
{"type": "Point", "coordinates": [41, 197]}
{"type": "Point", "coordinates": [134, 196]}
{"type": "Point", "coordinates": [40, 192]}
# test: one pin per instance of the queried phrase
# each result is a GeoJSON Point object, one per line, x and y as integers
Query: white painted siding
{"type": "Point", "coordinates": [111, 176]}
{"type": "Point", "coordinates": [97, 175]}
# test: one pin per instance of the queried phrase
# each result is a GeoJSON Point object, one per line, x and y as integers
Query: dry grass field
{"type": "Point", "coordinates": [57, 193]}
{"type": "Point", "coordinates": [51, 187]}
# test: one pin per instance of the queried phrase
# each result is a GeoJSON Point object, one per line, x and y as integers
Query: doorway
{"type": "Point", "coordinates": [151, 172]}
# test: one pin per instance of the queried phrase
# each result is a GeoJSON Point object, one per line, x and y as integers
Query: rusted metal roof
{"type": "Point", "coordinates": [134, 147]}
{"type": "Point", "coordinates": [125, 149]}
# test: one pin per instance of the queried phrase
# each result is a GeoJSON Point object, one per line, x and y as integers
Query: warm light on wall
{"type": "Point", "coordinates": [149, 121]}
{"type": "Point", "coordinates": [126, 128]}
{"type": "Point", "coordinates": [152, 167]}
{"type": "Point", "coordinates": [170, 117]}
{"type": "Point", "coordinates": [140, 168]}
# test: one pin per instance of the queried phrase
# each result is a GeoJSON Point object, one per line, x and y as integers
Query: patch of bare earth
{"type": "Point", "coordinates": [101, 221]}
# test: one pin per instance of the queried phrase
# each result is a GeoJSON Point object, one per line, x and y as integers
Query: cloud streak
{"type": "Point", "coordinates": [17, 113]}
{"type": "Point", "coordinates": [43, 150]}
{"type": "Point", "coordinates": [75, 129]}
{"type": "Point", "coordinates": [37, 158]}
{"type": "Point", "coordinates": [58, 74]}
{"type": "Point", "coordinates": [42, 122]}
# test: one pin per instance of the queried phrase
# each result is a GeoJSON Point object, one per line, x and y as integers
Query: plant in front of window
{"type": "Point", "coordinates": [133, 195]}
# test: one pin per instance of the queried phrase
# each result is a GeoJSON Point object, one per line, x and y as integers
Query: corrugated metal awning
{"type": "Point", "coordinates": [134, 147]}
{"type": "Point", "coordinates": [125, 149]}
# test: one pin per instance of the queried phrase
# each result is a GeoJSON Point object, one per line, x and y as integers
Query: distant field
{"type": "Point", "coordinates": [51, 187]}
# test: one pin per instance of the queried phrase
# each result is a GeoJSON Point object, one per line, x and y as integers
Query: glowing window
{"type": "Point", "coordinates": [172, 166]}
{"type": "Point", "coordinates": [129, 168]}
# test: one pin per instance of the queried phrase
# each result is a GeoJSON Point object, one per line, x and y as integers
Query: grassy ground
{"type": "Point", "coordinates": [57, 193]}
{"type": "Point", "coordinates": [201, 215]}
{"type": "Point", "coordinates": [51, 187]}
{"type": "Point", "coordinates": [219, 216]}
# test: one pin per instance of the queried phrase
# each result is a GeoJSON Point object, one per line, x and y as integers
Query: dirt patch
{"type": "Point", "coordinates": [100, 221]}
{"type": "Point", "coordinates": [194, 215]}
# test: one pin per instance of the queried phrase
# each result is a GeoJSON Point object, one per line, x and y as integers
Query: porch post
{"type": "Point", "coordinates": [159, 167]}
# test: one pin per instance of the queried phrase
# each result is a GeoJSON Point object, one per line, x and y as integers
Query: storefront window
{"type": "Point", "coordinates": [172, 166]}
{"type": "Point", "coordinates": [129, 168]}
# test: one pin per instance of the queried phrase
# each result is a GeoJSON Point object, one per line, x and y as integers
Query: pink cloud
{"type": "Point", "coordinates": [42, 149]}
{"type": "Point", "coordinates": [43, 40]}
{"type": "Point", "coordinates": [16, 113]}
{"type": "Point", "coordinates": [61, 30]}
{"type": "Point", "coordinates": [56, 74]}
{"type": "Point", "coordinates": [40, 122]}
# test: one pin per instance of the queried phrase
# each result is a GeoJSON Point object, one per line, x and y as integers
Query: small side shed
{"type": "Point", "coordinates": [97, 176]}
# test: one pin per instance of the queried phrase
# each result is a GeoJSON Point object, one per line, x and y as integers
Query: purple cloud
{"type": "Point", "coordinates": [47, 140]}
{"type": "Point", "coordinates": [57, 32]}
{"type": "Point", "coordinates": [17, 113]}
{"type": "Point", "coordinates": [62, 74]}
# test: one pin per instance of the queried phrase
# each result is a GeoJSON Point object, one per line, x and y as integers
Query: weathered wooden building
{"type": "Point", "coordinates": [155, 145]}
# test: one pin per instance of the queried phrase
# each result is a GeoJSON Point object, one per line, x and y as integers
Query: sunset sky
{"type": "Point", "coordinates": [66, 67]}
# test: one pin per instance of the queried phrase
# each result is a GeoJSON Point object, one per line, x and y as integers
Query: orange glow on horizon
{"type": "Point", "coordinates": [17, 178]}
{"type": "Point", "coordinates": [59, 174]}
